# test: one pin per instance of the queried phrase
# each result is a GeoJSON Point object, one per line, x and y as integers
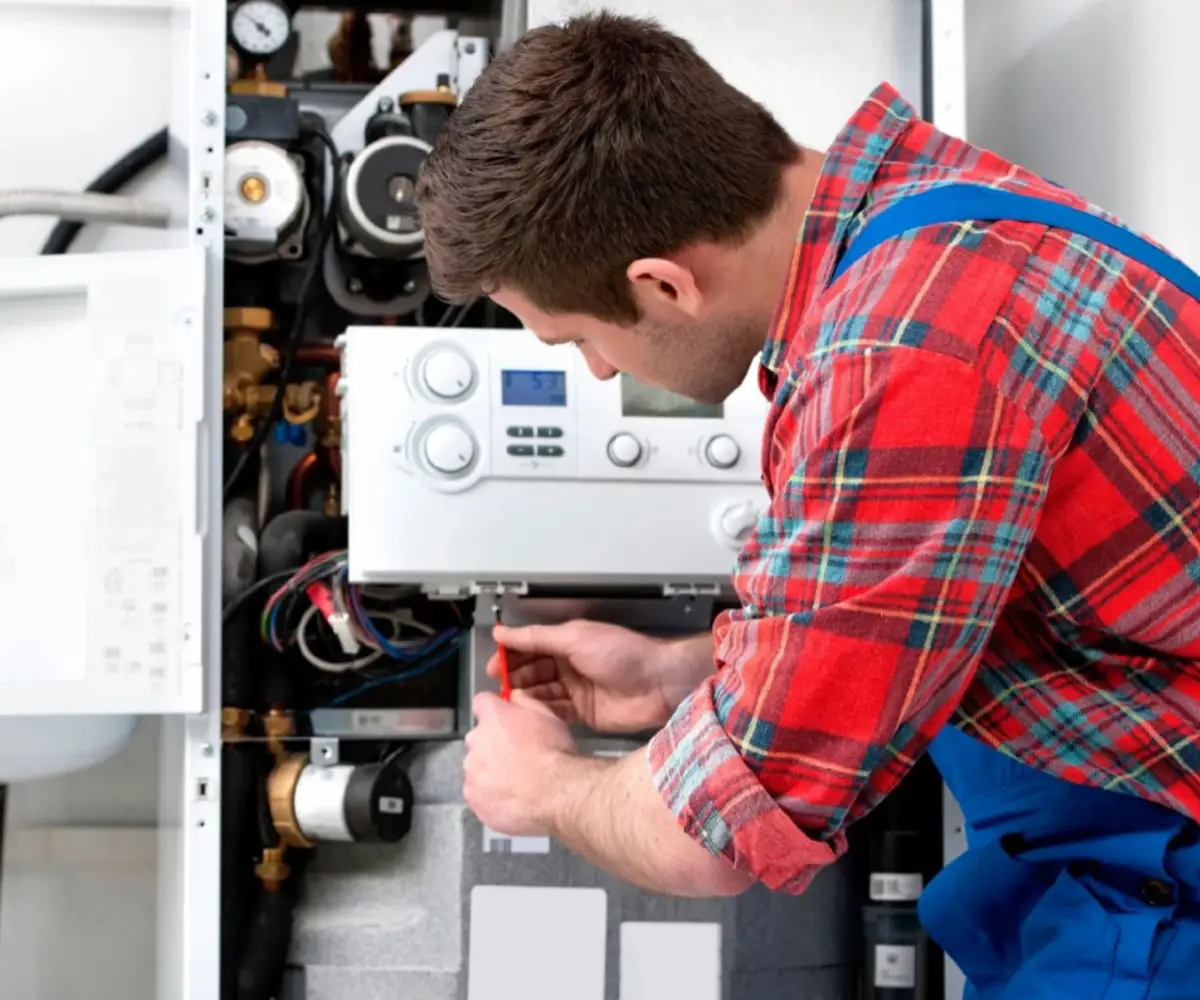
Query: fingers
{"type": "Point", "coordinates": [523, 699]}
{"type": "Point", "coordinates": [485, 705]}
{"type": "Point", "coordinates": [525, 674]}
{"type": "Point", "coordinates": [548, 640]}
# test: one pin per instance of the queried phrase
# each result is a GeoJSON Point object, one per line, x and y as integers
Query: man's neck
{"type": "Point", "coordinates": [775, 244]}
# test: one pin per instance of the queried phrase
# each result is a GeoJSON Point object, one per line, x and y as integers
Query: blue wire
{"type": "Point", "coordinates": [405, 675]}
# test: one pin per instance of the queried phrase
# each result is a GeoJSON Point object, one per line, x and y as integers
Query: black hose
{"type": "Point", "coordinates": [268, 937]}
{"type": "Point", "coordinates": [295, 536]}
{"type": "Point", "coordinates": [239, 794]}
{"type": "Point", "coordinates": [116, 176]}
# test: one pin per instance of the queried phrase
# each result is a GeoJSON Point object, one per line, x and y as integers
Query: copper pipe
{"type": "Point", "coordinates": [298, 479]}
{"type": "Point", "coordinates": [319, 354]}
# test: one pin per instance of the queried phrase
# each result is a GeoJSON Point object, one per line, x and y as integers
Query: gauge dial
{"type": "Point", "coordinates": [260, 28]}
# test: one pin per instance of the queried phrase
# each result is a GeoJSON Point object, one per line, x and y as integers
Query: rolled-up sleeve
{"type": "Point", "coordinates": [905, 492]}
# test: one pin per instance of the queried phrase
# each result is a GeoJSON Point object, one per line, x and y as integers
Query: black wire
{"type": "Point", "coordinates": [257, 587]}
{"type": "Point", "coordinates": [296, 335]}
{"type": "Point", "coordinates": [116, 176]}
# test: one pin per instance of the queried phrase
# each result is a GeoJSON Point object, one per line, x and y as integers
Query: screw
{"type": "Point", "coordinates": [469, 48]}
{"type": "Point", "coordinates": [207, 750]}
{"type": "Point", "coordinates": [209, 214]}
{"type": "Point", "coordinates": [210, 118]}
{"type": "Point", "coordinates": [385, 104]}
{"type": "Point", "coordinates": [354, 285]}
{"type": "Point", "coordinates": [409, 287]}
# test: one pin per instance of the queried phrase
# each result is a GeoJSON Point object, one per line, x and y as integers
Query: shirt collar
{"type": "Point", "coordinates": [846, 176]}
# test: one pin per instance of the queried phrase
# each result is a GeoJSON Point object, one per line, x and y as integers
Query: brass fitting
{"type": "Point", "coordinates": [301, 402]}
{"type": "Point", "coordinates": [259, 85]}
{"type": "Point", "coordinates": [281, 793]}
{"type": "Point", "coordinates": [233, 723]}
{"type": "Point", "coordinates": [247, 359]}
{"type": "Point", "coordinates": [278, 725]}
{"type": "Point", "coordinates": [272, 870]}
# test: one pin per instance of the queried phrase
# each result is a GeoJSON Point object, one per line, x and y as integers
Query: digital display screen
{"type": "Point", "coordinates": [639, 400]}
{"type": "Point", "coordinates": [530, 388]}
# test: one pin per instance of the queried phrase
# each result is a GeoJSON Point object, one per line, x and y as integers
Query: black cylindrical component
{"type": "Point", "coordinates": [379, 803]}
{"type": "Point", "coordinates": [370, 803]}
{"type": "Point", "coordinates": [429, 120]}
{"type": "Point", "coordinates": [379, 206]}
{"type": "Point", "coordinates": [387, 121]}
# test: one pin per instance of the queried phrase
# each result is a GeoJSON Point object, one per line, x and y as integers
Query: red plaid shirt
{"type": "Point", "coordinates": [983, 454]}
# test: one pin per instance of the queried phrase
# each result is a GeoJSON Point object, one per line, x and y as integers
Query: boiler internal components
{"type": "Point", "coordinates": [379, 208]}
{"type": "Point", "coordinates": [312, 802]}
{"type": "Point", "coordinates": [266, 203]}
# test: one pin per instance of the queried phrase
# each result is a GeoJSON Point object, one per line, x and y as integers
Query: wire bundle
{"type": "Point", "coordinates": [349, 611]}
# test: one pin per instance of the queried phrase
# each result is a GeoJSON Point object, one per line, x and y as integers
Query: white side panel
{"type": "Point", "coordinates": [103, 554]}
{"type": "Point", "coordinates": [810, 63]}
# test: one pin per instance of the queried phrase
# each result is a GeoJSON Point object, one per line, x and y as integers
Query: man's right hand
{"type": "Point", "coordinates": [608, 678]}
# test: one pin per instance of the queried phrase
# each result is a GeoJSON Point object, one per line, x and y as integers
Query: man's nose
{"type": "Point", "coordinates": [598, 366]}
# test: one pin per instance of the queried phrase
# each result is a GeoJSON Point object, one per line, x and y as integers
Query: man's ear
{"type": "Point", "coordinates": [664, 290]}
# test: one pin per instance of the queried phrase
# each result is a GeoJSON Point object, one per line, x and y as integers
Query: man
{"type": "Point", "coordinates": [983, 454]}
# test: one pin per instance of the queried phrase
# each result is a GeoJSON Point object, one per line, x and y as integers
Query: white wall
{"type": "Point", "coordinates": [81, 86]}
{"type": "Point", "coordinates": [1095, 95]}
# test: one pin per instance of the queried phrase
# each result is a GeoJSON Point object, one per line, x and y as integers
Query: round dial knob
{"type": "Point", "coordinates": [447, 374]}
{"type": "Point", "coordinates": [624, 450]}
{"type": "Point", "coordinates": [735, 522]}
{"type": "Point", "coordinates": [449, 449]}
{"type": "Point", "coordinates": [722, 451]}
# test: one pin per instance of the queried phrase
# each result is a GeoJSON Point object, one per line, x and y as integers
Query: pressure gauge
{"type": "Point", "coordinates": [260, 28]}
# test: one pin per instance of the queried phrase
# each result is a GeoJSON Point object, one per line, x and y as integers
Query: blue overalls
{"type": "Point", "coordinates": [1065, 892]}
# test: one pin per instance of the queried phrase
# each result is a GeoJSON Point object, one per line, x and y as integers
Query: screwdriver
{"type": "Point", "coordinates": [502, 660]}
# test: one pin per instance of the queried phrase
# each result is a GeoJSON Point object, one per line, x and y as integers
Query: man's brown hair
{"type": "Point", "coordinates": [586, 146]}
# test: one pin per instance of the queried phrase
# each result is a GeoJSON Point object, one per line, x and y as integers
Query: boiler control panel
{"type": "Point", "coordinates": [485, 456]}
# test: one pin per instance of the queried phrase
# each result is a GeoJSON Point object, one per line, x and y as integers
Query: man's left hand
{"type": "Point", "coordinates": [512, 754]}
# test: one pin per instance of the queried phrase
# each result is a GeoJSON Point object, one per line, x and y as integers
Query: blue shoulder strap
{"type": "Point", "coordinates": [973, 202]}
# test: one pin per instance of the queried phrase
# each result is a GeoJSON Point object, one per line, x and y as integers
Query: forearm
{"type": "Point", "coordinates": [686, 665]}
{"type": "Point", "coordinates": [609, 812]}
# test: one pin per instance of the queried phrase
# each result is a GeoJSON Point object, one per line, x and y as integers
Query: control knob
{"type": "Point", "coordinates": [447, 374]}
{"type": "Point", "coordinates": [448, 449]}
{"type": "Point", "coordinates": [722, 452]}
{"type": "Point", "coordinates": [733, 523]}
{"type": "Point", "coordinates": [624, 450]}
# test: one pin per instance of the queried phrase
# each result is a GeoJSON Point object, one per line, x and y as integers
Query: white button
{"type": "Point", "coordinates": [624, 450]}
{"type": "Point", "coordinates": [722, 452]}
{"type": "Point", "coordinates": [449, 449]}
{"type": "Point", "coordinates": [447, 374]}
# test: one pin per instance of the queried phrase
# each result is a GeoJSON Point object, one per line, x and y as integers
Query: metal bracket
{"type": "Point", "coordinates": [323, 751]}
{"type": "Point", "coordinates": [691, 590]}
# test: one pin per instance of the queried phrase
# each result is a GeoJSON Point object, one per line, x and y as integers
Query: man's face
{"type": "Point", "coordinates": [702, 359]}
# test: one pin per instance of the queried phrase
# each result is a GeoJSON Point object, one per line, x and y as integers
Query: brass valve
{"type": "Point", "coordinates": [247, 359]}
{"type": "Point", "coordinates": [272, 870]}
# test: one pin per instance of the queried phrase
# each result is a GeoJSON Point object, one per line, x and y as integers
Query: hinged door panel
{"type": "Point", "coordinates": [102, 382]}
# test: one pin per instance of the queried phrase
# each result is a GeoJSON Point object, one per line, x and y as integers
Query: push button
{"type": "Point", "coordinates": [1155, 892]}
{"type": "Point", "coordinates": [549, 432]}
{"type": "Point", "coordinates": [550, 451]}
{"type": "Point", "coordinates": [520, 450]}
{"type": "Point", "coordinates": [520, 432]}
